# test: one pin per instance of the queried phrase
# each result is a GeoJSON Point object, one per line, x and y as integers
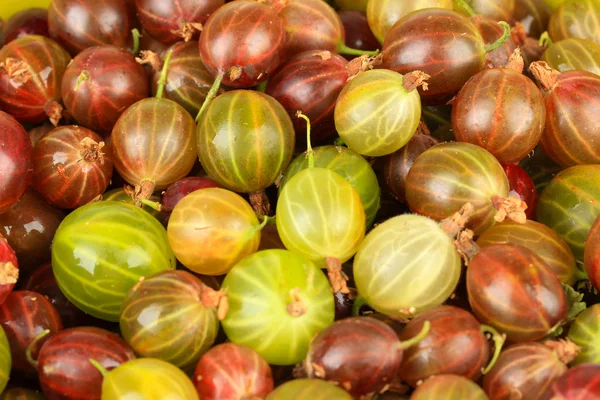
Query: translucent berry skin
{"type": "Point", "coordinates": [8, 265]}
{"type": "Point", "coordinates": [312, 84]}
{"type": "Point", "coordinates": [16, 164]}
{"type": "Point", "coordinates": [231, 371]}
{"type": "Point", "coordinates": [568, 139]}
{"type": "Point", "coordinates": [572, 20]}
{"type": "Point", "coordinates": [32, 21]}
{"type": "Point", "coordinates": [160, 18]}
{"type": "Point", "coordinates": [499, 10]}
{"type": "Point", "coordinates": [533, 15]}
{"type": "Point", "coordinates": [347, 348]}
{"type": "Point", "coordinates": [449, 387]}
{"type": "Point", "coordinates": [525, 368]}
{"type": "Point", "coordinates": [502, 111]}
{"type": "Point", "coordinates": [244, 34]}
{"type": "Point", "coordinates": [358, 33]}
{"type": "Point", "coordinates": [580, 382]}
{"type": "Point", "coordinates": [47, 62]}
{"type": "Point", "coordinates": [182, 188]}
{"type": "Point", "coordinates": [451, 51]}
{"type": "Point", "coordinates": [521, 183]}
{"type": "Point", "coordinates": [514, 290]}
{"type": "Point", "coordinates": [101, 99]}
{"type": "Point", "coordinates": [592, 254]}
{"type": "Point", "coordinates": [584, 332]}
{"type": "Point", "coordinates": [78, 25]}
{"type": "Point", "coordinates": [573, 54]}
{"type": "Point", "coordinates": [309, 389]}
{"type": "Point", "coordinates": [62, 172]}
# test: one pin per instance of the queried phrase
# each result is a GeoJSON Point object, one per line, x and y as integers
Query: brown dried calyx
{"type": "Point", "coordinates": [325, 55]}
{"type": "Point", "coordinates": [54, 111]}
{"type": "Point", "coordinates": [143, 191]}
{"type": "Point", "coordinates": [518, 34]}
{"type": "Point", "coordinates": [511, 207]}
{"type": "Point", "coordinates": [215, 299]}
{"type": "Point", "coordinates": [337, 277]}
{"type": "Point", "coordinates": [414, 79]}
{"type": "Point", "coordinates": [544, 74]}
{"type": "Point", "coordinates": [235, 72]}
{"type": "Point", "coordinates": [362, 64]}
{"type": "Point", "coordinates": [150, 57]}
{"type": "Point", "coordinates": [17, 70]}
{"type": "Point", "coordinates": [297, 307]}
{"type": "Point", "coordinates": [454, 227]}
{"type": "Point", "coordinates": [187, 30]}
{"type": "Point", "coordinates": [260, 203]}
{"type": "Point", "coordinates": [515, 62]}
{"type": "Point", "coordinates": [91, 151]}
{"type": "Point", "coordinates": [9, 273]}
{"type": "Point", "coordinates": [565, 350]}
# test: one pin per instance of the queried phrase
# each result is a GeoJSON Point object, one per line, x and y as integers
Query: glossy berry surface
{"type": "Point", "coordinates": [33, 21]}
{"type": "Point", "coordinates": [592, 254]}
{"type": "Point", "coordinates": [570, 20]}
{"type": "Point", "coordinates": [78, 25]}
{"type": "Point", "coordinates": [16, 165]}
{"type": "Point", "coordinates": [449, 387]}
{"type": "Point", "coordinates": [63, 362]}
{"type": "Point", "coordinates": [71, 167]}
{"type": "Point", "coordinates": [580, 382]}
{"type": "Point", "coordinates": [231, 371]}
{"type": "Point", "coordinates": [9, 269]}
{"type": "Point", "coordinates": [178, 190]}
{"type": "Point", "coordinates": [521, 183]}
{"type": "Point", "coordinates": [305, 389]}
{"type": "Point", "coordinates": [573, 54]}
{"type": "Point", "coordinates": [95, 94]}
{"type": "Point", "coordinates": [583, 333]}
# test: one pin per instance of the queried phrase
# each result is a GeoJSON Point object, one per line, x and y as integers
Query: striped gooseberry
{"type": "Point", "coordinates": [5, 360]}
{"type": "Point", "coordinates": [77, 26]}
{"type": "Point", "coordinates": [122, 244]}
{"type": "Point", "coordinates": [170, 316]}
{"type": "Point", "coordinates": [63, 363]}
{"type": "Point", "coordinates": [95, 94]}
{"type": "Point", "coordinates": [573, 54]}
{"type": "Point", "coordinates": [450, 52]}
{"type": "Point", "coordinates": [358, 32]}
{"type": "Point", "coordinates": [521, 183]}
{"type": "Point", "coordinates": [211, 229]}
{"type": "Point", "coordinates": [533, 15]}
{"type": "Point", "coordinates": [153, 142]}
{"type": "Point", "coordinates": [499, 10]}
{"type": "Point", "coordinates": [32, 246]}
{"type": "Point", "coordinates": [37, 132]}
{"type": "Point", "coordinates": [445, 177]}
{"type": "Point", "coordinates": [540, 239]}
{"type": "Point", "coordinates": [242, 43]}
{"type": "Point", "coordinates": [378, 111]}
{"type": "Point", "coordinates": [170, 21]}
{"type": "Point", "coordinates": [584, 333]}
{"type": "Point", "coordinates": [397, 164]}
{"type": "Point", "coordinates": [9, 269]}
{"type": "Point", "coordinates": [122, 195]}
{"type": "Point", "coordinates": [278, 301]}
{"type": "Point", "coordinates": [31, 21]}
{"type": "Point", "coordinates": [455, 344]}
{"type": "Point", "coordinates": [351, 166]}
{"type": "Point", "coordinates": [313, 25]}
{"type": "Point", "coordinates": [448, 387]}
{"type": "Point", "coordinates": [146, 378]}
{"type": "Point", "coordinates": [23, 315]}
{"type": "Point", "coordinates": [188, 81]}
{"type": "Point", "coordinates": [570, 20]}
{"type": "Point", "coordinates": [570, 204]}
{"type": "Point", "coordinates": [71, 166]}
{"type": "Point", "coordinates": [309, 389]}
{"type": "Point", "coordinates": [178, 190]}
{"type": "Point", "coordinates": [591, 254]}
{"type": "Point", "coordinates": [383, 14]}
{"type": "Point", "coordinates": [346, 349]}
{"type": "Point", "coordinates": [405, 266]}
{"type": "Point", "coordinates": [528, 369]}
{"type": "Point", "coordinates": [245, 140]}
{"type": "Point", "coordinates": [311, 81]}
{"type": "Point", "coordinates": [579, 382]}
{"type": "Point", "coordinates": [572, 99]}
{"type": "Point", "coordinates": [500, 110]}
{"type": "Point", "coordinates": [15, 161]}
{"type": "Point", "coordinates": [31, 72]}
{"type": "Point", "coordinates": [231, 371]}
{"type": "Point", "coordinates": [492, 32]}
{"type": "Point", "coordinates": [513, 290]}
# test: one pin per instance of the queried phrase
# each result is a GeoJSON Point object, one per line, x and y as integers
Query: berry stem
{"type": "Point", "coordinates": [310, 153]}
{"type": "Point", "coordinates": [33, 345]}
{"type": "Point", "coordinates": [499, 42]}
{"type": "Point", "coordinates": [416, 339]}
{"type": "Point", "coordinates": [152, 204]}
{"type": "Point", "coordinates": [343, 49]}
{"type": "Point", "coordinates": [465, 6]}
{"type": "Point", "coordinates": [499, 340]}
{"type": "Point", "coordinates": [136, 41]}
{"type": "Point", "coordinates": [163, 76]}
{"type": "Point", "coordinates": [83, 76]}
{"type": "Point", "coordinates": [339, 142]}
{"type": "Point", "coordinates": [259, 227]}
{"type": "Point", "coordinates": [211, 94]}
{"type": "Point", "coordinates": [262, 87]}
{"type": "Point", "coordinates": [545, 40]}
{"type": "Point", "coordinates": [99, 367]}
{"type": "Point", "coordinates": [359, 302]}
